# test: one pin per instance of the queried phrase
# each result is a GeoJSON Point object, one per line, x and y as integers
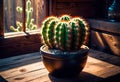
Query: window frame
{"type": "Point", "coordinates": [1, 19]}
{"type": "Point", "coordinates": [18, 43]}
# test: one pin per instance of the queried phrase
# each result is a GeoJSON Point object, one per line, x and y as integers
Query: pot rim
{"type": "Point", "coordinates": [46, 52]}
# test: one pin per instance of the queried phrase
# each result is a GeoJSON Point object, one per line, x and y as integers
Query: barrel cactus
{"type": "Point", "coordinates": [65, 33]}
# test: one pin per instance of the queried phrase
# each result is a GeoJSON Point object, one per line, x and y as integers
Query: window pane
{"type": "Point", "coordinates": [11, 16]}
{"type": "Point", "coordinates": [35, 12]}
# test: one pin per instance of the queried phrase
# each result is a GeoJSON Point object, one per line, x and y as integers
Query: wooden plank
{"type": "Point", "coordinates": [113, 43]}
{"type": "Point", "coordinates": [19, 61]}
{"type": "Point", "coordinates": [115, 60]}
{"type": "Point", "coordinates": [104, 25]}
{"type": "Point", "coordinates": [28, 76]}
{"type": "Point", "coordinates": [100, 68]}
{"type": "Point", "coordinates": [44, 78]}
{"type": "Point", "coordinates": [105, 41]}
{"type": "Point", "coordinates": [18, 34]}
{"type": "Point", "coordinates": [21, 58]}
{"type": "Point", "coordinates": [22, 70]}
{"type": "Point", "coordinates": [97, 69]}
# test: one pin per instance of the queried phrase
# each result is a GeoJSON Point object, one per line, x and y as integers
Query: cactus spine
{"type": "Point", "coordinates": [64, 33]}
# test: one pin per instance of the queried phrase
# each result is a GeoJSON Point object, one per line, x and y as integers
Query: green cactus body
{"type": "Point", "coordinates": [64, 33]}
{"type": "Point", "coordinates": [75, 35]}
{"type": "Point", "coordinates": [28, 5]}
{"type": "Point", "coordinates": [65, 18]}
{"type": "Point", "coordinates": [84, 30]}
{"type": "Point", "coordinates": [29, 11]}
{"type": "Point", "coordinates": [29, 17]}
{"type": "Point", "coordinates": [47, 30]}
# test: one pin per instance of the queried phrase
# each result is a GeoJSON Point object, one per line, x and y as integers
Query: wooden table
{"type": "Point", "coordinates": [29, 68]}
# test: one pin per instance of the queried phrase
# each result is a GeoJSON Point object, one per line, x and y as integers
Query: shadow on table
{"type": "Point", "coordinates": [112, 59]}
{"type": "Point", "coordinates": [115, 78]}
{"type": "Point", "coordinates": [84, 77]}
{"type": "Point", "coordinates": [2, 79]}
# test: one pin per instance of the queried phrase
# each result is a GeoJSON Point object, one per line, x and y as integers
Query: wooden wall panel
{"type": "Point", "coordinates": [105, 36]}
{"type": "Point", "coordinates": [84, 8]}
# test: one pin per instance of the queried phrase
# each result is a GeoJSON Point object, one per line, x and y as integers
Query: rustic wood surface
{"type": "Point", "coordinates": [105, 36]}
{"type": "Point", "coordinates": [29, 68]}
{"type": "Point", "coordinates": [105, 26]}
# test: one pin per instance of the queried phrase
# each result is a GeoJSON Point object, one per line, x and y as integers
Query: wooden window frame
{"type": "Point", "coordinates": [17, 43]}
{"type": "Point", "coordinates": [1, 19]}
{"type": "Point", "coordinates": [20, 43]}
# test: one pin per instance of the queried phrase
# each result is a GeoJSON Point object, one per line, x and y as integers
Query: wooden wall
{"type": "Point", "coordinates": [84, 8]}
{"type": "Point", "coordinates": [105, 36]}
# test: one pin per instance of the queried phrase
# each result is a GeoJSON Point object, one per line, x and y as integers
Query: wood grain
{"type": "Point", "coordinates": [84, 8]}
{"type": "Point", "coordinates": [98, 68]}
{"type": "Point", "coordinates": [105, 36]}
{"type": "Point", "coordinates": [105, 25]}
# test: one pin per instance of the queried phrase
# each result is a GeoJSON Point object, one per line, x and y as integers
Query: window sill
{"type": "Point", "coordinates": [20, 43]}
{"type": "Point", "coordinates": [19, 34]}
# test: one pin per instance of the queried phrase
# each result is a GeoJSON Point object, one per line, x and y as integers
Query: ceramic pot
{"type": "Point", "coordinates": [64, 64]}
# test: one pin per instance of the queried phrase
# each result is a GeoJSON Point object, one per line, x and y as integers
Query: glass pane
{"type": "Point", "coordinates": [11, 15]}
{"type": "Point", "coordinates": [35, 12]}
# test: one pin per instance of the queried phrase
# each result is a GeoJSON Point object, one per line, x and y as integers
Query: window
{"type": "Point", "coordinates": [24, 41]}
{"type": "Point", "coordinates": [23, 15]}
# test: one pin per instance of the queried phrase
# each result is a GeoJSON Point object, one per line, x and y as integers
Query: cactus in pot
{"type": "Point", "coordinates": [64, 38]}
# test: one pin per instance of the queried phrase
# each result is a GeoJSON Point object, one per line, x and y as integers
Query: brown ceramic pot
{"type": "Point", "coordinates": [64, 64]}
